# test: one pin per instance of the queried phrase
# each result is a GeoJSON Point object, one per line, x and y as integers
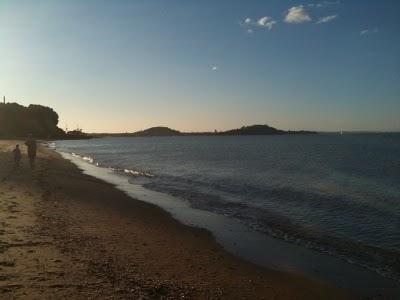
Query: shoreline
{"type": "Point", "coordinates": [105, 243]}
{"type": "Point", "coordinates": [239, 240]}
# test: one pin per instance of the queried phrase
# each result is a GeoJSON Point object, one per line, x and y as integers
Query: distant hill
{"type": "Point", "coordinates": [261, 130]}
{"type": "Point", "coordinates": [245, 130]}
{"type": "Point", "coordinates": [157, 131]}
{"type": "Point", "coordinates": [253, 130]}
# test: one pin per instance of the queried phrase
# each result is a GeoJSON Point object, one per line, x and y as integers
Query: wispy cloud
{"type": "Point", "coordinates": [297, 14]}
{"type": "Point", "coordinates": [247, 24]}
{"type": "Point", "coordinates": [326, 19]}
{"type": "Point", "coordinates": [323, 4]}
{"type": "Point", "coordinates": [214, 68]}
{"type": "Point", "coordinates": [369, 31]}
{"type": "Point", "coordinates": [263, 22]}
{"type": "Point", "coordinates": [248, 21]}
{"type": "Point", "coordinates": [266, 22]}
{"type": "Point", "coordinates": [315, 5]}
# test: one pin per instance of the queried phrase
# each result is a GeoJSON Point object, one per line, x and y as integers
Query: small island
{"type": "Point", "coordinates": [157, 131]}
{"type": "Point", "coordinates": [261, 130]}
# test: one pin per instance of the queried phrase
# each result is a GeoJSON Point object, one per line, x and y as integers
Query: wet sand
{"type": "Point", "coordinates": [64, 234]}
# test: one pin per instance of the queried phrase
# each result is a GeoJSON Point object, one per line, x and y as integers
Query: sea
{"type": "Point", "coordinates": [337, 194]}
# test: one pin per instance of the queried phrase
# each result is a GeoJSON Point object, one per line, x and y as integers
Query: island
{"type": "Point", "coordinates": [157, 131]}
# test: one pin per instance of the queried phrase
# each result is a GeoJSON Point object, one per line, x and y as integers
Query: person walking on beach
{"type": "Point", "coordinates": [17, 156]}
{"type": "Point", "coordinates": [31, 144]}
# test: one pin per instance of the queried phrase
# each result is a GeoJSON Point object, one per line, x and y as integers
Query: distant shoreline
{"type": "Point", "coordinates": [245, 130]}
{"type": "Point", "coordinates": [210, 134]}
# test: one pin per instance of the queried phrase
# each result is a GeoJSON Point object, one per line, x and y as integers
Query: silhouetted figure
{"type": "Point", "coordinates": [31, 144]}
{"type": "Point", "coordinates": [17, 156]}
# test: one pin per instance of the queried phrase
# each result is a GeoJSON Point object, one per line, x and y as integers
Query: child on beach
{"type": "Point", "coordinates": [17, 156]}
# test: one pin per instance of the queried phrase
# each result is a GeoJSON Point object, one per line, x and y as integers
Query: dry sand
{"type": "Point", "coordinates": [64, 234]}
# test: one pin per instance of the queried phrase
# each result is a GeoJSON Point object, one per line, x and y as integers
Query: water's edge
{"type": "Point", "coordinates": [372, 258]}
{"type": "Point", "coordinates": [249, 244]}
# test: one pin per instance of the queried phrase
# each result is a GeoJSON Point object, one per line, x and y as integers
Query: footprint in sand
{"type": "Point", "coordinates": [6, 277]}
{"type": "Point", "coordinates": [11, 287]}
{"type": "Point", "coordinates": [11, 208]}
{"type": "Point", "coordinates": [7, 263]}
{"type": "Point", "coordinates": [38, 279]}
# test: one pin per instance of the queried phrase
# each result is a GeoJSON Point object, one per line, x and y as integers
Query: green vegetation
{"type": "Point", "coordinates": [19, 121]}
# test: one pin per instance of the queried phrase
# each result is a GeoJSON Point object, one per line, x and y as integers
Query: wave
{"type": "Point", "coordinates": [134, 173]}
{"type": "Point", "coordinates": [51, 145]}
{"type": "Point", "coordinates": [126, 171]}
{"type": "Point", "coordinates": [85, 158]}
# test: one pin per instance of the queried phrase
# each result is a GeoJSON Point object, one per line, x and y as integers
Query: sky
{"type": "Point", "coordinates": [123, 66]}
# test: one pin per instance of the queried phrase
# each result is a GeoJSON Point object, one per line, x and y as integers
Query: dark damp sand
{"type": "Point", "coordinates": [64, 234]}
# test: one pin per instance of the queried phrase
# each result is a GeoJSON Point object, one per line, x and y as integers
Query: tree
{"type": "Point", "coordinates": [19, 121]}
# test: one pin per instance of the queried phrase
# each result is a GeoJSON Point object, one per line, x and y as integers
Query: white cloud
{"type": "Point", "coordinates": [266, 22]}
{"type": "Point", "coordinates": [297, 14]}
{"type": "Point", "coordinates": [214, 68]}
{"type": "Point", "coordinates": [369, 31]}
{"type": "Point", "coordinates": [247, 21]}
{"type": "Point", "coordinates": [326, 19]}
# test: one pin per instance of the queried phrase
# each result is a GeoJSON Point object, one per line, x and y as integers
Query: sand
{"type": "Point", "coordinates": [64, 234]}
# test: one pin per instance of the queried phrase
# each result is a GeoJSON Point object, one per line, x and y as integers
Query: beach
{"type": "Point", "coordinates": [68, 235]}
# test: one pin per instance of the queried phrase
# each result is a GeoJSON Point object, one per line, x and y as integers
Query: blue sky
{"type": "Point", "coordinates": [112, 66]}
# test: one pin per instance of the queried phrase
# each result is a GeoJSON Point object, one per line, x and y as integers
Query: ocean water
{"type": "Point", "coordinates": [337, 194]}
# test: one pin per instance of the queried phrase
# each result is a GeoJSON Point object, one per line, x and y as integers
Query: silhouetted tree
{"type": "Point", "coordinates": [19, 121]}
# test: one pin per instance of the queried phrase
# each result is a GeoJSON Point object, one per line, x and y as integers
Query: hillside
{"type": "Point", "coordinates": [253, 130]}
{"type": "Point", "coordinates": [157, 131]}
{"type": "Point", "coordinates": [261, 130]}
